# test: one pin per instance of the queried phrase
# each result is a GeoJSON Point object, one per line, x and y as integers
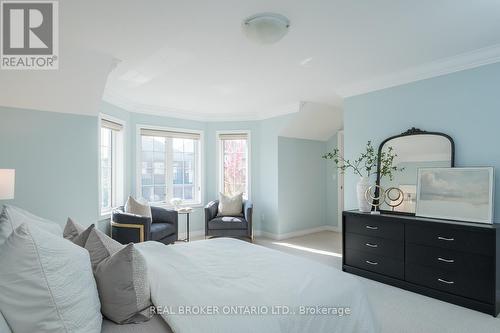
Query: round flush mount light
{"type": "Point", "coordinates": [266, 28]}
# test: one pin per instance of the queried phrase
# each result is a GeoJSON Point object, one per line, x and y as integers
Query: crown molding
{"type": "Point", "coordinates": [480, 57]}
{"type": "Point", "coordinates": [127, 104]}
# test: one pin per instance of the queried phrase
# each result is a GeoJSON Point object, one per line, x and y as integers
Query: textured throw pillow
{"type": "Point", "coordinates": [100, 246]}
{"type": "Point", "coordinates": [4, 327]}
{"type": "Point", "coordinates": [123, 286]}
{"type": "Point", "coordinates": [230, 206]}
{"type": "Point", "coordinates": [47, 285]}
{"type": "Point", "coordinates": [72, 229]}
{"type": "Point", "coordinates": [82, 238]}
{"type": "Point", "coordinates": [12, 217]}
{"type": "Point", "coordinates": [137, 208]}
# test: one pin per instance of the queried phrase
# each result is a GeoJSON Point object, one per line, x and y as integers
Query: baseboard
{"type": "Point", "coordinates": [260, 233]}
{"type": "Point", "coordinates": [298, 233]}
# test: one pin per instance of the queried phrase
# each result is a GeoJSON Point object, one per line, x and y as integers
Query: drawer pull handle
{"type": "Point", "coordinates": [371, 262]}
{"type": "Point", "coordinates": [450, 261]}
{"type": "Point", "coordinates": [371, 227]}
{"type": "Point", "coordinates": [371, 245]}
{"type": "Point", "coordinates": [444, 281]}
{"type": "Point", "coordinates": [446, 239]}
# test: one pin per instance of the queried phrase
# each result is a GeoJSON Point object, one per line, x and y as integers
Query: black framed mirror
{"type": "Point", "coordinates": [415, 149]}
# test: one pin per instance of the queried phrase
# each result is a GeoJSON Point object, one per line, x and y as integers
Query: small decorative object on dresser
{"type": "Point", "coordinates": [365, 167]}
{"type": "Point", "coordinates": [373, 199]}
{"type": "Point", "coordinates": [464, 194]}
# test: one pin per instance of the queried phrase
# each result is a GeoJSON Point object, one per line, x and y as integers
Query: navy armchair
{"type": "Point", "coordinates": [162, 227]}
{"type": "Point", "coordinates": [228, 226]}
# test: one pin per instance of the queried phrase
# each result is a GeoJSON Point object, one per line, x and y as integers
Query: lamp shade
{"type": "Point", "coordinates": [7, 183]}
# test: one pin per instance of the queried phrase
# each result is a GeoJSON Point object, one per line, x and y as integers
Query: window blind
{"type": "Point", "coordinates": [111, 125]}
{"type": "Point", "coordinates": [233, 136]}
{"type": "Point", "coordinates": [170, 134]}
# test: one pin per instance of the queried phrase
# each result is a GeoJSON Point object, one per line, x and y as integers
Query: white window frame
{"type": "Point", "coordinates": [199, 180]}
{"type": "Point", "coordinates": [118, 176]}
{"type": "Point", "coordinates": [220, 169]}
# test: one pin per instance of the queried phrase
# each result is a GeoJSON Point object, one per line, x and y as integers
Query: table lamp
{"type": "Point", "coordinates": [7, 183]}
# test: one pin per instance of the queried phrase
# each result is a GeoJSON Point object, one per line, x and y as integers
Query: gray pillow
{"type": "Point", "coordinates": [72, 229]}
{"type": "Point", "coordinates": [100, 246]}
{"type": "Point", "coordinates": [123, 286]}
{"type": "Point", "coordinates": [81, 239]}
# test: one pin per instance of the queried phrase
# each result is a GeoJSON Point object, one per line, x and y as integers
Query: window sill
{"type": "Point", "coordinates": [169, 206]}
{"type": "Point", "coordinates": [105, 215]}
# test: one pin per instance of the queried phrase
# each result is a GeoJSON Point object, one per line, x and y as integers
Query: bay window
{"type": "Point", "coordinates": [170, 164]}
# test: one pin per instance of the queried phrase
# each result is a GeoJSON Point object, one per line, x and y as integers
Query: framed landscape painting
{"type": "Point", "coordinates": [463, 194]}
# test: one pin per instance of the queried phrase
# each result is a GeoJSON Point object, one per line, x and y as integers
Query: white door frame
{"type": "Point", "coordinates": [340, 181]}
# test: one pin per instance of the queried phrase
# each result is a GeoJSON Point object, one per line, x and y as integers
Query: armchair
{"type": "Point", "coordinates": [228, 226]}
{"type": "Point", "coordinates": [162, 227]}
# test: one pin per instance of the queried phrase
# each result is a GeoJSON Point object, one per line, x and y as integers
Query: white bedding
{"type": "Point", "coordinates": [225, 272]}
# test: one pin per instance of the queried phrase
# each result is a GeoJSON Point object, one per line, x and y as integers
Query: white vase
{"type": "Point", "coordinates": [362, 186]}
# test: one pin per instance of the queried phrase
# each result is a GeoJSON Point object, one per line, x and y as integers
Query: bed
{"type": "Point", "coordinates": [226, 285]}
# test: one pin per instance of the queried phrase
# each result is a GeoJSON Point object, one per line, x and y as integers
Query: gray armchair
{"type": "Point", "coordinates": [162, 227]}
{"type": "Point", "coordinates": [228, 226]}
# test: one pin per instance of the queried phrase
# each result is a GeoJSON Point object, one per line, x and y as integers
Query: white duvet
{"type": "Point", "coordinates": [233, 286]}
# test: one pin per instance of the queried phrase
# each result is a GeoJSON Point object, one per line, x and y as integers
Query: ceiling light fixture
{"type": "Point", "coordinates": [266, 28]}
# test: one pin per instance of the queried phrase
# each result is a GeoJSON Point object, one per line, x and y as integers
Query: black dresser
{"type": "Point", "coordinates": [453, 261]}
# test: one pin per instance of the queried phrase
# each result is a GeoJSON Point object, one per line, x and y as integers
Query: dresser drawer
{"type": "Point", "coordinates": [372, 225]}
{"type": "Point", "coordinates": [471, 265]}
{"type": "Point", "coordinates": [375, 245]}
{"type": "Point", "coordinates": [452, 282]}
{"type": "Point", "coordinates": [375, 263]}
{"type": "Point", "coordinates": [466, 240]}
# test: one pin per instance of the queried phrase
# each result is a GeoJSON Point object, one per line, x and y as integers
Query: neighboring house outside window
{"type": "Point", "coordinates": [170, 165]}
{"type": "Point", "coordinates": [234, 162]}
{"type": "Point", "coordinates": [111, 165]}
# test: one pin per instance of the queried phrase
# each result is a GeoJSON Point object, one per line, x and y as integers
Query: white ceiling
{"type": "Point", "coordinates": [189, 58]}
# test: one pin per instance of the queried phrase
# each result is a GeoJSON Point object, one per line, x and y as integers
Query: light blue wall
{"type": "Point", "coordinates": [269, 170]}
{"type": "Point", "coordinates": [465, 105]}
{"type": "Point", "coordinates": [331, 185]}
{"type": "Point", "coordinates": [301, 184]}
{"type": "Point", "coordinates": [55, 157]}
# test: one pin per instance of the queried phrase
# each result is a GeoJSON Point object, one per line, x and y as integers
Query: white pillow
{"type": "Point", "coordinates": [4, 327]}
{"type": "Point", "coordinates": [137, 208]}
{"type": "Point", "coordinates": [47, 285]}
{"type": "Point", "coordinates": [230, 206]}
{"type": "Point", "coordinates": [12, 217]}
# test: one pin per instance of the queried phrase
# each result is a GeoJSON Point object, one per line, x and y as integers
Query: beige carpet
{"type": "Point", "coordinates": [398, 311]}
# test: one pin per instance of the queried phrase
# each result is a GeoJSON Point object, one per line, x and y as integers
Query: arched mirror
{"type": "Point", "coordinates": [414, 149]}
